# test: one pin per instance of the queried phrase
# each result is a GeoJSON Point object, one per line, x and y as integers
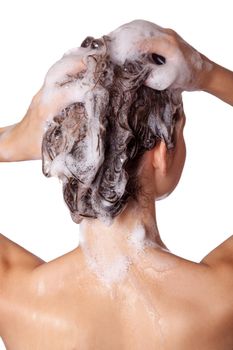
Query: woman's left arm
{"type": "Point", "coordinates": [22, 141]}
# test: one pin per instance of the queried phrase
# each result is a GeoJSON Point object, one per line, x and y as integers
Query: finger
{"type": "Point", "coordinates": [67, 66]}
{"type": "Point", "coordinates": [57, 97]}
{"type": "Point", "coordinates": [161, 76]}
{"type": "Point", "coordinates": [162, 44]}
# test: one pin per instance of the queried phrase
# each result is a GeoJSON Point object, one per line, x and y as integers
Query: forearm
{"type": "Point", "coordinates": [219, 82]}
{"type": "Point", "coordinates": [16, 142]}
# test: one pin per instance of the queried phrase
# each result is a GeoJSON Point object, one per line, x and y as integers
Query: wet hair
{"type": "Point", "coordinates": [95, 145]}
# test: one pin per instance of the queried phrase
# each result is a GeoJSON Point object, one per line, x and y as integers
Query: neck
{"type": "Point", "coordinates": [110, 249]}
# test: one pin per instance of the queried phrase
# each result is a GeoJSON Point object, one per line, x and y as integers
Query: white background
{"type": "Point", "coordinates": [34, 34]}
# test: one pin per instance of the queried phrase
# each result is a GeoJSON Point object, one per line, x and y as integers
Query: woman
{"type": "Point", "coordinates": [121, 289]}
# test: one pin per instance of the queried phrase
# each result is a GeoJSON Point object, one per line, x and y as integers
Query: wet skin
{"type": "Point", "coordinates": [162, 301]}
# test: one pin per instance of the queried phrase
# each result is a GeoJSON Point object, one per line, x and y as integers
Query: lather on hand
{"type": "Point", "coordinates": [175, 64]}
{"type": "Point", "coordinates": [181, 66]}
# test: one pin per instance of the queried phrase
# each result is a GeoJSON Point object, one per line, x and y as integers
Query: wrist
{"type": "Point", "coordinates": [19, 142]}
{"type": "Point", "coordinates": [30, 133]}
{"type": "Point", "coordinates": [206, 74]}
{"type": "Point", "coordinates": [6, 154]}
{"type": "Point", "coordinates": [219, 82]}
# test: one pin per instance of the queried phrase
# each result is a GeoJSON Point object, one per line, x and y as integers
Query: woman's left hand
{"type": "Point", "coordinates": [22, 141]}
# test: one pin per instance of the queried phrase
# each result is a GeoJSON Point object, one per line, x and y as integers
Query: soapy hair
{"type": "Point", "coordinates": [127, 119]}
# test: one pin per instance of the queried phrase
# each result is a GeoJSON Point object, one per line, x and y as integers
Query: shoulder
{"type": "Point", "coordinates": [220, 262]}
{"type": "Point", "coordinates": [221, 255]}
{"type": "Point", "coordinates": [16, 265]}
{"type": "Point", "coordinates": [14, 257]}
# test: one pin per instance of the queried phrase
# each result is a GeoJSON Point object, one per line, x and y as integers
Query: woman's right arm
{"type": "Point", "coordinates": [191, 70]}
{"type": "Point", "coordinates": [219, 82]}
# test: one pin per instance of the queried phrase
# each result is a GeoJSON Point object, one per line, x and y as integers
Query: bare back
{"type": "Point", "coordinates": [165, 303]}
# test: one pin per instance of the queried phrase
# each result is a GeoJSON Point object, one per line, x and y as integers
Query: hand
{"type": "Point", "coordinates": [23, 140]}
{"type": "Point", "coordinates": [180, 65]}
{"type": "Point", "coordinates": [58, 91]}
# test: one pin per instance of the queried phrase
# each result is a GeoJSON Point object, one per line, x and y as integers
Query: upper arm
{"type": "Point", "coordinates": [13, 256]}
{"type": "Point", "coordinates": [223, 254]}
{"type": "Point", "coordinates": [15, 262]}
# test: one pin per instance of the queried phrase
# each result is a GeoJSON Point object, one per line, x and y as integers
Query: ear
{"type": "Point", "coordinates": [160, 157]}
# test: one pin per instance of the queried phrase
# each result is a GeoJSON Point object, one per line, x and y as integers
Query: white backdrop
{"type": "Point", "coordinates": [34, 34]}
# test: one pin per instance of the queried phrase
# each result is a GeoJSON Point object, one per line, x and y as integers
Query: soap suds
{"type": "Point", "coordinates": [125, 40]}
{"type": "Point", "coordinates": [138, 240]}
{"type": "Point", "coordinates": [107, 259]}
{"type": "Point", "coordinates": [107, 270]}
{"type": "Point", "coordinates": [110, 262]}
{"type": "Point", "coordinates": [112, 119]}
{"type": "Point", "coordinates": [108, 273]}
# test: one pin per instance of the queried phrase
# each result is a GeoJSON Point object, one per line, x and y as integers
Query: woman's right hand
{"type": "Point", "coordinates": [185, 68]}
